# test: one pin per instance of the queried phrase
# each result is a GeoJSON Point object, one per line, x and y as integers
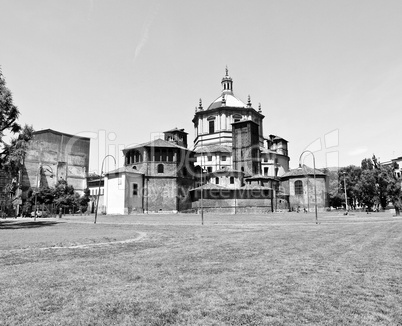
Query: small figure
{"type": "Point", "coordinates": [305, 209]}
{"type": "Point", "coordinates": [298, 209]}
{"type": "Point", "coordinates": [60, 212]}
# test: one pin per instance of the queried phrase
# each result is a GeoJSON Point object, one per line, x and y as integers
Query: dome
{"type": "Point", "coordinates": [230, 101]}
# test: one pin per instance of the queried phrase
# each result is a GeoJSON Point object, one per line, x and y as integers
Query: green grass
{"type": "Point", "coordinates": [279, 269]}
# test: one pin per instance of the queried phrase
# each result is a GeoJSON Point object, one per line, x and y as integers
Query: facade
{"type": "Point", "coordinates": [157, 177]}
{"type": "Point", "coordinates": [396, 163]}
{"type": "Point", "coordinates": [301, 187]}
{"type": "Point", "coordinates": [53, 155]}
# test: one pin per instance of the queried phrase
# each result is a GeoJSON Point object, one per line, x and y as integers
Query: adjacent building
{"type": "Point", "coordinates": [54, 155]}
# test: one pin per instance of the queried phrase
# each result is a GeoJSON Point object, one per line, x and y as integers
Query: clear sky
{"type": "Point", "coordinates": [328, 74]}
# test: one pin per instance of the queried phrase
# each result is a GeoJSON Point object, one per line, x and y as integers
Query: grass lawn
{"type": "Point", "coordinates": [278, 269]}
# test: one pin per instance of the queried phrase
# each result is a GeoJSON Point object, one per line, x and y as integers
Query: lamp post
{"type": "Point", "coordinates": [100, 177]}
{"type": "Point", "coordinates": [202, 198]}
{"type": "Point", "coordinates": [39, 177]}
{"type": "Point", "coordinates": [346, 195]}
{"type": "Point", "coordinates": [315, 182]}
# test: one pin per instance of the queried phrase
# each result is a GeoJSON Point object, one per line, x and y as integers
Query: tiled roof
{"type": "Point", "coordinates": [156, 143]}
{"type": "Point", "coordinates": [214, 149]}
{"type": "Point", "coordinates": [251, 186]}
{"type": "Point", "coordinates": [210, 186]}
{"type": "Point", "coordinates": [301, 172]}
{"type": "Point", "coordinates": [261, 177]}
{"type": "Point", "coordinates": [123, 169]}
{"type": "Point", "coordinates": [177, 129]}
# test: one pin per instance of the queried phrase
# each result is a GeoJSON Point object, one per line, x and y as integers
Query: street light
{"type": "Point", "coordinates": [315, 182]}
{"type": "Point", "coordinates": [97, 202]}
{"type": "Point", "coordinates": [39, 177]}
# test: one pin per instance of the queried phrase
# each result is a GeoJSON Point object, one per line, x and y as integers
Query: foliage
{"type": "Point", "coordinates": [394, 189]}
{"type": "Point", "coordinates": [9, 114]}
{"type": "Point", "coordinates": [14, 153]}
{"type": "Point", "coordinates": [368, 192]}
{"type": "Point", "coordinates": [62, 195]}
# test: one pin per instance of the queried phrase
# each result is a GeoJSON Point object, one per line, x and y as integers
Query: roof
{"type": "Point", "coordinates": [214, 148]}
{"type": "Point", "coordinates": [124, 169]}
{"type": "Point", "coordinates": [51, 131]}
{"type": "Point", "coordinates": [211, 186]}
{"type": "Point", "coordinates": [156, 143]}
{"type": "Point", "coordinates": [275, 137]}
{"type": "Point", "coordinates": [261, 177]}
{"type": "Point", "coordinates": [231, 101]}
{"type": "Point", "coordinates": [177, 130]}
{"type": "Point", "coordinates": [256, 187]}
{"type": "Point", "coordinates": [302, 172]}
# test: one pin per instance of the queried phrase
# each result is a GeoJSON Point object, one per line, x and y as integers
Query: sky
{"type": "Point", "coordinates": [328, 74]}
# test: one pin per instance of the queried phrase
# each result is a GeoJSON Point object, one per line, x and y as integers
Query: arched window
{"type": "Point", "coordinates": [298, 187]}
{"type": "Point", "coordinates": [160, 168]}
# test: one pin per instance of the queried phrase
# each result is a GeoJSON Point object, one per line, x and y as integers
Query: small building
{"type": "Point", "coordinates": [157, 177]}
{"type": "Point", "coordinates": [300, 185]}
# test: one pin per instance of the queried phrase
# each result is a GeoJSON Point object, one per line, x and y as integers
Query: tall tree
{"type": "Point", "coordinates": [9, 114]}
{"type": "Point", "coordinates": [394, 189]}
{"type": "Point", "coordinates": [14, 153]}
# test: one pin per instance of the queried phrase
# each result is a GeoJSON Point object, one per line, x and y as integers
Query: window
{"type": "Point", "coordinates": [237, 118]}
{"type": "Point", "coordinates": [209, 169]}
{"type": "Point", "coordinates": [231, 180]}
{"type": "Point", "coordinates": [160, 168]}
{"type": "Point", "coordinates": [135, 189]}
{"type": "Point", "coordinates": [298, 187]}
{"type": "Point", "coordinates": [224, 158]}
{"type": "Point", "coordinates": [209, 158]}
{"type": "Point", "coordinates": [265, 171]}
{"type": "Point", "coordinates": [217, 180]}
{"type": "Point", "coordinates": [211, 127]}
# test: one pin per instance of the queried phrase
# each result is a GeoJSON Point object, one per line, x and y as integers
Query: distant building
{"type": "Point", "coordinates": [396, 163]}
{"type": "Point", "coordinates": [53, 155]}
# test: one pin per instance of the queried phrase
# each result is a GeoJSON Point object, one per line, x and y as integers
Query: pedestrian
{"type": "Point", "coordinates": [60, 212]}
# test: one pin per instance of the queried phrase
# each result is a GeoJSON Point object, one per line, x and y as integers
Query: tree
{"type": "Point", "coordinates": [367, 188]}
{"type": "Point", "coordinates": [9, 114]}
{"type": "Point", "coordinates": [394, 190]}
{"type": "Point", "coordinates": [14, 153]}
{"type": "Point", "coordinates": [350, 176]}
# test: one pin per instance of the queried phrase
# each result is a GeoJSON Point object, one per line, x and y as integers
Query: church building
{"type": "Point", "coordinates": [232, 166]}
